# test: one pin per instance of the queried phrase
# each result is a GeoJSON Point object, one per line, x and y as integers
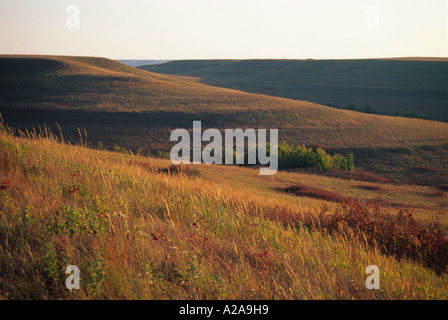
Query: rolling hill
{"type": "Point", "coordinates": [121, 105]}
{"type": "Point", "coordinates": [412, 87]}
{"type": "Point", "coordinates": [139, 228]}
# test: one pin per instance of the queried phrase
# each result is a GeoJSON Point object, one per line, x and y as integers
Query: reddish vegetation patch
{"type": "Point", "coordinates": [305, 191]}
{"type": "Point", "coordinates": [155, 237]}
{"type": "Point", "coordinates": [276, 213]}
{"type": "Point", "coordinates": [140, 164]}
{"type": "Point", "coordinates": [387, 203]}
{"type": "Point", "coordinates": [198, 223]}
{"type": "Point", "coordinates": [4, 185]}
{"type": "Point", "coordinates": [371, 187]}
{"type": "Point", "coordinates": [398, 235]}
{"type": "Point", "coordinates": [424, 169]}
{"type": "Point", "coordinates": [357, 175]}
{"type": "Point", "coordinates": [438, 194]}
{"type": "Point", "coordinates": [73, 189]}
{"type": "Point", "coordinates": [264, 254]}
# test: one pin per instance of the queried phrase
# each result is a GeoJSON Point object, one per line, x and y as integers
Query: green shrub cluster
{"type": "Point", "coordinates": [317, 158]}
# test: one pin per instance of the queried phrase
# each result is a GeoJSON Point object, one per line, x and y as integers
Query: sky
{"type": "Point", "coordinates": [225, 29]}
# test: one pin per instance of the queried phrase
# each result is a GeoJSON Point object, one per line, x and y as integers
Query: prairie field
{"type": "Point", "coordinates": [213, 158]}
{"type": "Point", "coordinates": [84, 180]}
{"type": "Point", "coordinates": [140, 231]}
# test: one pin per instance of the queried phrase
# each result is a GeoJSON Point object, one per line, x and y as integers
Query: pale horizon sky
{"type": "Point", "coordinates": [227, 29]}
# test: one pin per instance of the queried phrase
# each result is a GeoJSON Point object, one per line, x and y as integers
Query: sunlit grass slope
{"type": "Point", "coordinates": [137, 232]}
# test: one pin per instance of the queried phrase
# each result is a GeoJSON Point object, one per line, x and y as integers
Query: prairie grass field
{"type": "Point", "coordinates": [139, 232]}
{"type": "Point", "coordinates": [84, 180]}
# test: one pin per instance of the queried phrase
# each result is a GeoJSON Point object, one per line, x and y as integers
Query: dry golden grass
{"type": "Point", "coordinates": [426, 203]}
{"type": "Point", "coordinates": [138, 233]}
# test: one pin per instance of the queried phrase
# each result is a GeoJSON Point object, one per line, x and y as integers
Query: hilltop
{"type": "Point", "coordinates": [411, 87]}
{"type": "Point", "coordinates": [121, 105]}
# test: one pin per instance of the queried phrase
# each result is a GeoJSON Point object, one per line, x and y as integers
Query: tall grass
{"type": "Point", "coordinates": [138, 233]}
{"type": "Point", "coordinates": [399, 235]}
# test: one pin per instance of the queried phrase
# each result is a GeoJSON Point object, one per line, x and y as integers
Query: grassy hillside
{"type": "Point", "coordinates": [138, 232]}
{"type": "Point", "coordinates": [119, 105]}
{"type": "Point", "coordinates": [413, 87]}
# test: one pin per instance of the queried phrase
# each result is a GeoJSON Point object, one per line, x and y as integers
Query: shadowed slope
{"type": "Point", "coordinates": [414, 87]}
{"type": "Point", "coordinates": [99, 84]}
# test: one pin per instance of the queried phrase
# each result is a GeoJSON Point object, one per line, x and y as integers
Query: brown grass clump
{"type": "Point", "coordinates": [424, 169]}
{"type": "Point", "coordinates": [357, 175]}
{"type": "Point", "coordinates": [380, 201]}
{"type": "Point", "coordinates": [443, 187]}
{"type": "Point", "coordinates": [181, 169]}
{"type": "Point", "coordinates": [141, 164]}
{"type": "Point", "coordinates": [4, 161]}
{"type": "Point", "coordinates": [173, 169]}
{"type": "Point", "coordinates": [437, 194]}
{"type": "Point", "coordinates": [306, 191]}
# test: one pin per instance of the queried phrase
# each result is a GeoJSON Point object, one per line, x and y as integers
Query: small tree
{"type": "Point", "coordinates": [368, 109]}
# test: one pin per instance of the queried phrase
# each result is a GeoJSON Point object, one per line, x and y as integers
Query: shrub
{"type": "Point", "coordinates": [311, 157]}
{"type": "Point", "coordinates": [368, 109]}
{"type": "Point", "coordinates": [344, 163]}
{"type": "Point", "coordinates": [398, 235]}
{"type": "Point", "coordinates": [351, 107]}
{"type": "Point", "coordinates": [163, 154]}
